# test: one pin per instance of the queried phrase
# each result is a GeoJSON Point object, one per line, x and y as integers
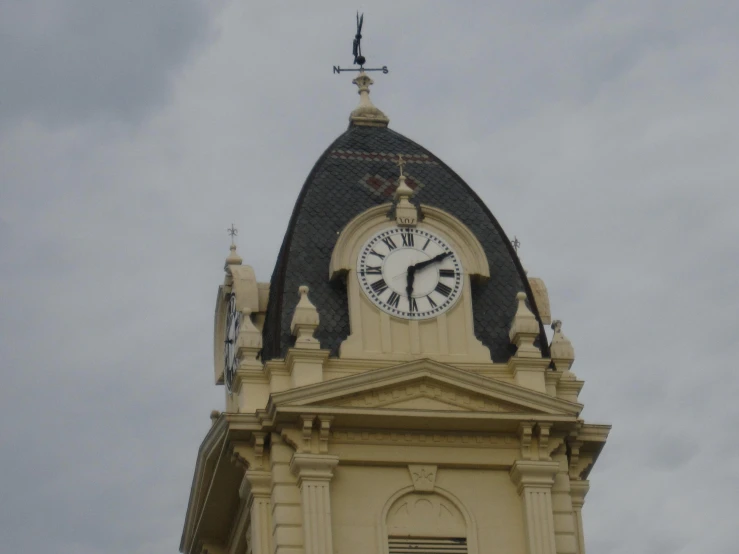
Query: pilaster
{"type": "Point", "coordinates": [287, 519]}
{"type": "Point", "coordinates": [565, 532]}
{"type": "Point", "coordinates": [529, 372]}
{"type": "Point", "coordinates": [314, 472]}
{"type": "Point", "coordinates": [534, 481]}
{"type": "Point", "coordinates": [305, 360]}
{"type": "Point", "coordinates": [257, 490]}
{"type": "Point", "coordinates": [305, 366]}
{"type": "Point", "coordinates": [578, 490]}
{"type": "Point", "coordinates": [527, 365]}
{"type": "Point", "coordinates": [251, 388]}
{"type": "Point", "coordinates": [551, 379]}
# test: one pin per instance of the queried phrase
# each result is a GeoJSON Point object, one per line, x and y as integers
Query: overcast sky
{"type": "Point", "coordinates": [604, 135]}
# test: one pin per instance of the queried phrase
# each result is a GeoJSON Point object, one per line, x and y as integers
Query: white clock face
{"type": "Point", "coordinates": [410, 273]}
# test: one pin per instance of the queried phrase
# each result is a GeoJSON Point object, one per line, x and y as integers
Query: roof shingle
{"type": "Point", "coordinates": [347, 180]}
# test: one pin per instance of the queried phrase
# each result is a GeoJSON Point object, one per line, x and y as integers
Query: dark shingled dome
{"type": "Point", "coordinates": [357, 172]}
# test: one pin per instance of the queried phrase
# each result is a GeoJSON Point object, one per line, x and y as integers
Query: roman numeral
{"type": "Point", "coordinates": [408, 238]}
{"type": "Point", "coordinates": [379, 286]}
{"type": "Point", "coordinates": [394, 299]}
{"type": "Point", "coordinates": [441, 288]}
{"type": "Point", "coordinates": [433, 304]}
{"type": "Point", "coordinates": [376, 254]}
{"type": "Point", "coordinates": [446, 273]}
{"type": "Point", "coordinates": [425, 245]}
{"type": "Point", "coordinates": [390, 243]}
{"type": "Point", "coordinates": [373, 270]}
{"type": "Point", "coordinates": [412, 305]}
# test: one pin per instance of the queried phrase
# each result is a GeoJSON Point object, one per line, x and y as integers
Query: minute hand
{"type": "Point", "coordinates": [433, 260]}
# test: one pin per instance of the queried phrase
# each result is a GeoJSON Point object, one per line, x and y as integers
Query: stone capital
{"type": "Point", "coordinates": [526, 473]}
{"type": "Point", "coordinates": [578, 490]}
{"type": "Point", "coordinates": [313, 467]}
{"type": "Point", "coordinates": [256, 484]}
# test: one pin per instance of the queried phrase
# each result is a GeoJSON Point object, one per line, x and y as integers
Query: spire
{"type": "Point", "coordinates": [233, 258]}
{"type": "Point", "coordinates": [366, 113]}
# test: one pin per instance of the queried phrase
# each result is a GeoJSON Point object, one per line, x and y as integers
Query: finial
{"type": "Point", "coordinates": [406, 214]}
{"type": "Point", "coordinates": [233, 258]}
{"type": "Point", "coordinates": [366, 113]}
{"type": "Point", "coordinates": [524, 330]}
{"type": "Point", "coordinates": [516, 244]}
{"type": "Point", "coordinates": [562, 351]}
{"type": "Point", "coordinates": [400, 163]}
{"type": "Point", "coordinates": [305, 321]}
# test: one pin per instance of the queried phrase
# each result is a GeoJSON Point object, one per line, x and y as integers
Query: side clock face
{"type": "Point", "coordinates": [231, 362]}
{"type": "Point", "coordinates": [410, 273]}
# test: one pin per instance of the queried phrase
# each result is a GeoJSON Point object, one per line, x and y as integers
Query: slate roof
{"type": "Point", "coordinates": [355, 173]}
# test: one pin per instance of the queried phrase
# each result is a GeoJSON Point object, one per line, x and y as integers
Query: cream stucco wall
{"type": "Point", "coordinates": [360, 494]}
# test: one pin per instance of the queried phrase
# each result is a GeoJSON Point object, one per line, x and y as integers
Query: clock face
{"type": "Point", "coordinates": [410, 273]}
{"type": "Point", "coordinates": [231, 362]}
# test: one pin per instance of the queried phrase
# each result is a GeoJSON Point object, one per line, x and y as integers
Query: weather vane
{"type": "Point", "coordinates": [359, 59]}
{"type": "Point", "coordinates": [232, 231]}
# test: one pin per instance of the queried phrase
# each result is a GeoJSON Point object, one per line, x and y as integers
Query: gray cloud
{"type": "Point", "coordinates": [67, 62]}
{"type": "Point", "coordinates": [602, 134]}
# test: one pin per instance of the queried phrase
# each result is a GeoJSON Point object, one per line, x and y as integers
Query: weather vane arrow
{"type": "Point", "coordinates": [359, 59]}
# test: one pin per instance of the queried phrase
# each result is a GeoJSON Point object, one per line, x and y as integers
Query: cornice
{"type": "Point", "coordinates": [211, 444]}
{"type": "Point", "coordinates": [423, 368]}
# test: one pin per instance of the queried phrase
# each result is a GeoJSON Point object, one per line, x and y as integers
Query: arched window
{"type": "Point", "coordinates": [422, 523]}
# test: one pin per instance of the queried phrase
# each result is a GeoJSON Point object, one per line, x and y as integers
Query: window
{"type": "Point", "coordinates": [434, 545]}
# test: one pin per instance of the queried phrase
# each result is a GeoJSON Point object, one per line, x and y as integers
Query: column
{"type": "Point", "coordinates": [579, 489]}
{"type": "Point", "coordinates": [534, 481]}
{"type": "Point", "coordinates": [314, 472]}
{"type": "Point", "coordinates": [258, 494]}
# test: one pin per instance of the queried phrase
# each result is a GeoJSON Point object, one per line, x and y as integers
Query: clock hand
{"type": "Point", "coordinates": [433, 260]}
{"type": "Point", "coordinates": [409, 281]}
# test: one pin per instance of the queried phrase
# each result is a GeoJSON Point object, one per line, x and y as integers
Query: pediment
{"type": "Point", "coordinates": [424, 385]}
{"type": "Point", "coordinates": [426, 393]}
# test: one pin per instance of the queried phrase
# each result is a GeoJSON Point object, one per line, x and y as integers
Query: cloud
{"type": "Point", "coordinates": [602, 134]}
{"type": "Point", "coordinates": [67, 62]}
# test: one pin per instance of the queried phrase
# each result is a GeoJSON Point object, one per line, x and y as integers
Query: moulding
{"type": "Point", "coordinates": [419, 438]}
{"type": "Point", "coordinates": [501, 391]}
{"type": "Point", "coordinates": [382, 531]}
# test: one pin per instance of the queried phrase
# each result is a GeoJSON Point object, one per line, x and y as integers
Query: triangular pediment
{"type": "Point", "coordinates": [424, 385]}
{"type": "Point", "coordinates": [426, 393]}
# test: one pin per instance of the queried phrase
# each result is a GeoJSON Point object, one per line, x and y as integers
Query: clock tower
{"type": "Point", "coordinates": [391, 389]}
